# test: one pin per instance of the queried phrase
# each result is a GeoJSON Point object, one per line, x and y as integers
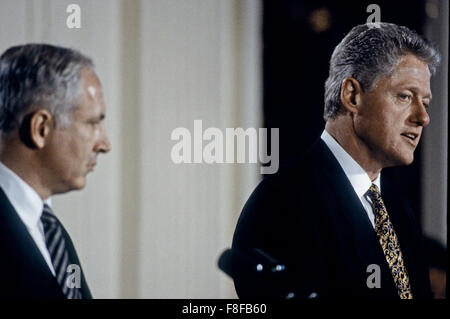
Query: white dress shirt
{"type": "Point", "coordinates": [358, 178]}
{"type": "Point", "coordinates": [28, 205]}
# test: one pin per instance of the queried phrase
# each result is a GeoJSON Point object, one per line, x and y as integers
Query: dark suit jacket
{"type": "Point", "coordinates": [308, 217]}
{"type": "Point", "coordinates": [24, 271]}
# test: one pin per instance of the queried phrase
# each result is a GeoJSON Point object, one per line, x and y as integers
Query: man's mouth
{"type": "Point", "coordinates": [92, 165]}
{"type": "Point", "coordinates": [413, 138]}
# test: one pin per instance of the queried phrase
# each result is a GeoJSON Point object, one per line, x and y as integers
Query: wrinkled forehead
{"type": "Point", "coordinates": [412, 71]}
{"type": "Point", "coordinates": [414, 66]}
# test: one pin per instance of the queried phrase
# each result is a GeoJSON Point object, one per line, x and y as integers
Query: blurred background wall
{"type": "Point", "coordinates": [145, 227]}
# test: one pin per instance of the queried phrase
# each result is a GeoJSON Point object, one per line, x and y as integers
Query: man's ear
{"type": "Point", "coordinates": [41, 125]}
{"type": "Point", "coordinates": [351, 94]}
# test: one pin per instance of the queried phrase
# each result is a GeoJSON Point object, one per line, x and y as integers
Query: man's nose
{"type": "Point", "coordinates": [103, 144]}
{"type": "Point", "coordinates": [420, 115]}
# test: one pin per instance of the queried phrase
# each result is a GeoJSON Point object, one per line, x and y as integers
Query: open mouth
{"type": "Point", "coordinates": [411, 137]}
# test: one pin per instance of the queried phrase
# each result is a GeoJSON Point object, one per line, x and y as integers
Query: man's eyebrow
{"type": "Point", "coordinates": [416, 89]}
{"type": "Point", "coordinates": [428, 96]}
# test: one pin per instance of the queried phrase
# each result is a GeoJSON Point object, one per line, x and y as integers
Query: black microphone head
{"type": "Point", "coordinates": [256, 269]}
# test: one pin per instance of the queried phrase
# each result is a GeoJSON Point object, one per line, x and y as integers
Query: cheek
{"type": "Point", "coordinates": [384, 120]}
{"type": "Point", "coordinates": [370, 124]}
{"type": "Point", "coordinates": [79, 146]}
{"type": "Point", "coordinates": [374, 129]}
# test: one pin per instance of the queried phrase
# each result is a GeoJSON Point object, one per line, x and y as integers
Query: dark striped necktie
{"type": "Point", "coordinates": [56, 245]}
{"type": "Point", "coordinates": [390, 244]}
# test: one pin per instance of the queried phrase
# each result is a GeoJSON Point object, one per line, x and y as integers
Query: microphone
{"type": "Point", "coordinates": [256, 268]}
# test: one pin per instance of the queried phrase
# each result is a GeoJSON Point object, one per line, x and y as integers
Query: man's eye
{"type": "Point", "coordinates": [405, 97]}
{"type": "Point", "coordinates": [94, 123]}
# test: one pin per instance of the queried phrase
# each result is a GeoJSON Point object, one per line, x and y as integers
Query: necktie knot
{"type": "Point", "coordinates": [48, 217]}
{"type": "Point", "coordinates": [374, 193]}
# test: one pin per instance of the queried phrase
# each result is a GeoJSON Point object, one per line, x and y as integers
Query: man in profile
{"type": "Point", "coordinates": [51, 131]}
{"type": "Point", "coordinates": [329, 217]}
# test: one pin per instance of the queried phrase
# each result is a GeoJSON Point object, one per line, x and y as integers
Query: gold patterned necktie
{"type": "Point", "coordinates": [390, 244]}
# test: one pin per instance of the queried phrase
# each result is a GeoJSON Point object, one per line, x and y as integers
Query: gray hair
{"type": "Point", "coordinates": [36, 76]}
{"type": "Point", "coordinates": [369, 52]}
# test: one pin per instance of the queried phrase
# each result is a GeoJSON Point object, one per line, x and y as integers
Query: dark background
{"type": "Point", "coordinates": [296, 54]}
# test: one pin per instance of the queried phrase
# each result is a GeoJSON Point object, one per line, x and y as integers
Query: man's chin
{"type": "Point", "coordinates": [80, 184]}
{"type": "Point", "coordinates": [399, 160]}
{"type": "Point", "coordinates": [405, 160]}
{"type": "Point", "coordinates": [74, 185]}
{"type": "Point", "coordinates": [77, 184]}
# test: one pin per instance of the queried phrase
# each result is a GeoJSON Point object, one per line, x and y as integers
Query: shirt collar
{"type": "Point", "coordinates": [25, 200]}
{"type": "Point", "coordinates": [358, 178]}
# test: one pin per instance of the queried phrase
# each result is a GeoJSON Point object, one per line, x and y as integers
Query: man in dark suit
{"type": "Point", "coordinates": [51, 131]}
{"type": "Point", "coordinates": [329, 217]}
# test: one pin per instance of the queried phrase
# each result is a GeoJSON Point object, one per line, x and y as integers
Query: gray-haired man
{"type": "Point", "coordinates": [324, 216]}
{"type": "Point", "coordinates": [51, 131]}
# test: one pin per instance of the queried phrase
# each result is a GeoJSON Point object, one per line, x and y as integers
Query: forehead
{"type": "Point", "coordinates": [411, 72]}
{"type": "Point", "coordinates": [91, 84]}
{"type": "Point", "coordinates": [91, 100]}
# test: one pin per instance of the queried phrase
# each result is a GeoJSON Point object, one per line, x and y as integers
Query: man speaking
{"type": "Point", "coordinates": [329, 217]}
{"type": "Point", "coordinates": [51, 131]}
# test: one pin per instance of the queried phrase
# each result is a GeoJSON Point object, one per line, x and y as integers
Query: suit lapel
{"type": "Point", "coordinates": [354, 217]}
{"type": "Point", "coordinates": [74, 258]}
{"type": "Point", "coordinates": [30, 266]}
{"type": "Point", "coordinates": [16, 238]}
